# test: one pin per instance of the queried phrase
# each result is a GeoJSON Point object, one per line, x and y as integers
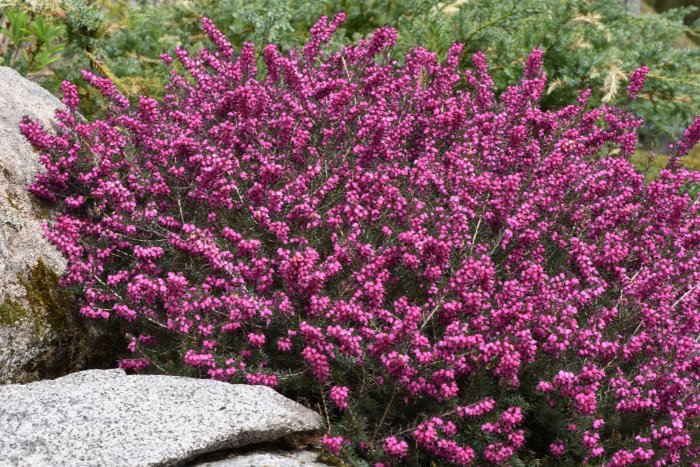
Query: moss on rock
{"type": "Point", "coordinates": [71, 342]}
{"type": "Point", "coordinates": [13, 201]}
{"type": "Point", "coordinates": [45, 303]}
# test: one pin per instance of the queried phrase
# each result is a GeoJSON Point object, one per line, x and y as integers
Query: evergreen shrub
{"type": "Point", "coordinates": [448, 274]}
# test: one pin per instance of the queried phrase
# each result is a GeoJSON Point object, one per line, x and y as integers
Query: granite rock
{"type": "Point", "coordinates": [41, 333]}
{"type": "Point", "coordinates": [269, 459]}
{"type": "Point", "coordinates": [22, 242]}
{"type": "Point", "coordinates": [108, 418]}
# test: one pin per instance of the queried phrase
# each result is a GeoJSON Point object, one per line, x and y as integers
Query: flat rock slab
{"type": "Point", "coordinates": [270, 459]}
{"type": "Point", "coordinates": [104, 417]}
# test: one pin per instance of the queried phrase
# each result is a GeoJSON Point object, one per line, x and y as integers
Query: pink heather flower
{"type": "Point", "coordinates": [534, 64]}
{"type": "Point", "coordinates": [427, 435]}
{"type": "Point", "coordinates": [317, 362]}
{"type": "Point", "coordinates": [691, 137]}
{"type": "Point", "coordinates": [637, 80]}
{"type": "Point", "coordinates": [544, 386]}
{"type": "Point", "coordinates": [106, 88]}
{"type": "Point", "coordinates": [321, 33]}
{"type": "Point", "coordinates": [338, 395]}
{"type": "Point", "coordinates": [284, 344]}
{"type": "Point", "coordinates": [125, 312]}
{"type": "Point", "coordinates": [148, 253]}
{"type": "Point", "coordinates": [256, 340]}
{"type": "Point", "coordinates": [590, 440]}
{"type": "Point", "coordinates": [510, 418]}
{"type": "Point", "coordinates": [202, 360]}
{"type": "Point", "coordinates": [396, 448]}
{"type": "Point", "coordinates": [262, 379]}
{"type": "Point", "coordinates": [478, 409]}
{"type": "Point", "coordinates": [70, 95]}
{"type": "Point", "coordinates": [217, 38]}
{"type": "Point", "coordinates": [134, 364]}
{"type": "Point", "coordinates": [557, 448]}
{"type": "Point", "coordinates": [333, 444]}
{"type": "Point", "coordinates": [498, 453]}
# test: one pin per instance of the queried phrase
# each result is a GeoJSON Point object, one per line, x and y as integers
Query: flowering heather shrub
{"type": "Point", "coordinates": [448, 274]}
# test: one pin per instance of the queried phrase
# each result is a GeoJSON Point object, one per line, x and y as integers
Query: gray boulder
{"type": "Point", "coordinates": [269, 459]}
{"type": "Point", "coordinates": [22, 242]}
{"type": "Point", "coordinates": [108, 418]}
{"type": "Point", "coordinates": [40, 333]}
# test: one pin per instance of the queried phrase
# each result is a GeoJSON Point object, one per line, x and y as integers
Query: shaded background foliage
{"type": "Point", "coordinates": [664, 5]}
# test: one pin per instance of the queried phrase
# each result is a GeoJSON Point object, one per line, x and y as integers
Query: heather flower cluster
{"type": "Point", "coordinates": [448, 274]}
